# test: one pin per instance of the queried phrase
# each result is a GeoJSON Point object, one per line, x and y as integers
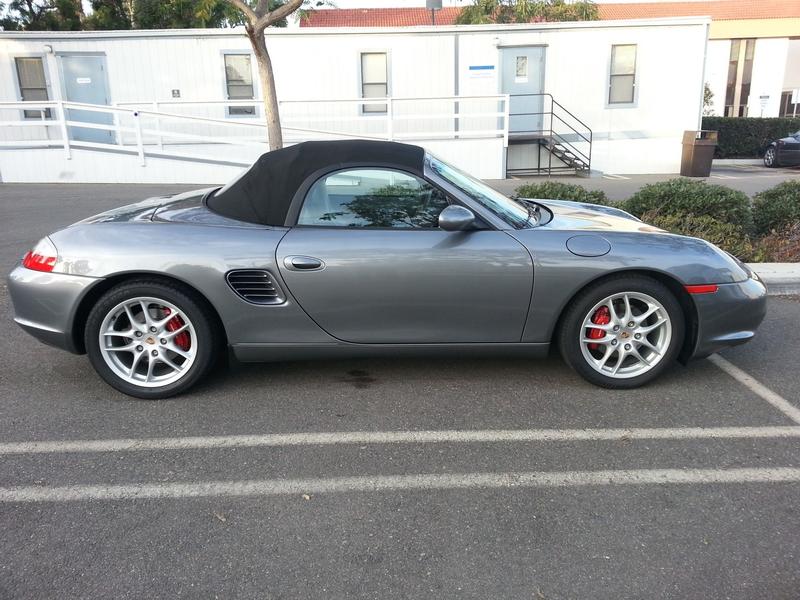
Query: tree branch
{"type": "Point", "coordinates": [251, 16]}
{"type": "Point", "coordinates": [276, 15]}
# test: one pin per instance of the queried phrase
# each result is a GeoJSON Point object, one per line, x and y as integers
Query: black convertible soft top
{"type": "Point", "coordinates": [264, 193]}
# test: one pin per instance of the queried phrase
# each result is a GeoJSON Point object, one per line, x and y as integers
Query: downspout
{"type": "Point", "coordinates": [703, 79]}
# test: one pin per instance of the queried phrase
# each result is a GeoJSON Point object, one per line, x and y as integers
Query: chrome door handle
{"type": "Point", "coordinates": [303, 263]}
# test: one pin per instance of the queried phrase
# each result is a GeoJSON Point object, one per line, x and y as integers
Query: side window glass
{"type": "Point", "coordinates": [372, 198]}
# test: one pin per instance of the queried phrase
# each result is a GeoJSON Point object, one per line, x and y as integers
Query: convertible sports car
{"type": "Point", "coordinates": [363, 248]}
{"type": "Point", "coordinates": [784, 152]}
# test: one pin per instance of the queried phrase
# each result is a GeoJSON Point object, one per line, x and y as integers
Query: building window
{"type": "Point", "coordinates": [740, 75]}
{"type": "Point", "coordinates": [32, 84]}
{"type": "Point", "coordinates": [374, 80]}
{"type": "Point", "coordinates": [788, 109]}
{"type": "Point", "coordinates": [622, 81]}
{"type": "Point", "coordinates": [239, 83]}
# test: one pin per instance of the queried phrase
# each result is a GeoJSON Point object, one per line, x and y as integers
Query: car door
{"type": "Point", "coordinates": [790, 153]}
{"type": "Point", "coordinates": [369, 264]}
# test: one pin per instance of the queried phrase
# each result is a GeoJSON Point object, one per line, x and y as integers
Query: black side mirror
{"type": "Point", "coordinates": [456, 218]}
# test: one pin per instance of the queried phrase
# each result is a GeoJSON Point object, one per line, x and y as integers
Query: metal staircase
{"type": "Point", "coordinates": [544, 137]}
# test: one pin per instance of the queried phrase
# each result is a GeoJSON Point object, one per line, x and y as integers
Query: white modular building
{"type": "Point", "coordinates": [497, 100]}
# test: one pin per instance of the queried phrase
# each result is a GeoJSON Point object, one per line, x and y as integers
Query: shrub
{"type": "Point", "coordinates": [684, 197]}
{"type": "Point", "coordinates": [728, 236]}
{"type": "Point", "coordinates": [781, 246]}
{"type": "Point", "coordinates": [777, 208]}
{"type": "Point", "coordinates": [745, 137]}
{"type": "Point", "coordinates": [555, 190]}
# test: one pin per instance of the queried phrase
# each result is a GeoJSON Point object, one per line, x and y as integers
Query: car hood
{"type": "Point", "coordinates": [582, 216]}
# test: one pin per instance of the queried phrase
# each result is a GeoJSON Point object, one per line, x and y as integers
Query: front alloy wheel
{"type": "Point", "coordinates": [151, 339]}
{"type": "Point", "coordinates": [622, 332]}
{"type": "Point", "coordinates": [769, 157]}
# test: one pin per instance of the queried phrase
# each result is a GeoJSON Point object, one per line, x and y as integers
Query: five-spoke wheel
{"type": "Point", "coordinates": [150, 339]}
{"type": "Point", "coordinates": [622, 332]}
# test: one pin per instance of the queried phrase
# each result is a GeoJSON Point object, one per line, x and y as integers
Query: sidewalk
{"type": "Point", "coordinates": [781, 278]}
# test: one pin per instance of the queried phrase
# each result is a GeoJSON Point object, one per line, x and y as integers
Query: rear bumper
{"type": "Point", "coordinates": [730, 316]}
{"type": "Point", "coordinates": [45, 304]}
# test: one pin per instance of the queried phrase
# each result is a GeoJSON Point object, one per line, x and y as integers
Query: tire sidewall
{"type": "Point", "coordinates": [569, 335]}
{"type": "Point", "coordinates": [205, 342]}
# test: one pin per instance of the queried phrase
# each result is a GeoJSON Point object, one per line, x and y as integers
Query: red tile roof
{"type": "Point", "coordinates": [718, 10]}
{"type": "Point", "coordinates": [378, 17]}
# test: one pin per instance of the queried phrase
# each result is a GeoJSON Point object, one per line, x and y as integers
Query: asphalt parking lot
{"type": "Point", "coordinates": [393, 479]}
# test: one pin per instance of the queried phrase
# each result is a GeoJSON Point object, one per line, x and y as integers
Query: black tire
{"type": "Point", "coordinates": [771, 157]}
{"type": "Point", "coordinates": [569, 333]}
{"type": "Point", "coordinates": [207, 341]}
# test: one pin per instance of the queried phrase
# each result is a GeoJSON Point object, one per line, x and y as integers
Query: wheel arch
{"type": "Point", "coordinates": [673, 285]}
{"type": "Point", "coordinates": [94, 293]}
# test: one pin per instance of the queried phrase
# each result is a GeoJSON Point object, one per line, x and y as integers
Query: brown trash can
{"type": "Point", "coordinates": [698, 152]}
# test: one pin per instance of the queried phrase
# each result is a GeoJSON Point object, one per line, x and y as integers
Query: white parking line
{"type": "Point", "coordinates": [288, 487]}
{"type": "Point", "coordinates": [395, 437]}
{"type": "Point", "coordinates": [779, 402]}
{"type": "Point", "coordinates": [614, 176]}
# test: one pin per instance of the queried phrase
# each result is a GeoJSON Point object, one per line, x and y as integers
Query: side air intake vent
{"type": "Point", "coordinates": [255, 286]}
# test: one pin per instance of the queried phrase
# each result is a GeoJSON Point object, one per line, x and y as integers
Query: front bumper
{"type": "Point", "coordinates": [730, 316]}
{"type": "Point", "coordinates": [45, 304]}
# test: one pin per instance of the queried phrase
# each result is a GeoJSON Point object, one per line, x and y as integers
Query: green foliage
{"type": "Point", "coordinates": [184, 14]}
{"type": "Point", "coordinates": [745, 137]}
{"type": "Point", "coordinates": [728, 236]}
{"type": "Point", "coordinates": [526, 11]}
{"type": "Point", "coordinates": [682, 197]}
{"type": "Point", "coordinates": [556, 190]}
{"type": "Point", "coordinates": [42, 15]}
{"type": "Point", "coordinates": [708, 99]}
{"type": "Point", "coordinates": [109, 15]}
{"type": "Point", "coordinates": [777, 207]}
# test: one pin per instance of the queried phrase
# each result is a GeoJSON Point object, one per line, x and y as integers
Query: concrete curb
{"type": "Point", "coordinates": [782, 279]}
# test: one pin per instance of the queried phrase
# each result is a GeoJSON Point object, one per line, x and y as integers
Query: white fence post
{"type": "Point", "coordinates": [62, 123]}
{"type": "Point", "coordinates": [158, 127]}
{"type": "Point", "coordinates": [139, 144]}
{"type": "Point", "coordinates": [389, 119]}
{"type": "Point", "coordinates": [506, 117]}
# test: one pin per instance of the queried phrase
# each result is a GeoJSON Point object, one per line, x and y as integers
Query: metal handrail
{"type": "Point", "coordinates": [133, 114]}
{"type": "Point", "coordinates": [553, 135]}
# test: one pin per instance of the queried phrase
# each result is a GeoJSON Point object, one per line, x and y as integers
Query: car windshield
{"type": "Point", "coordinates": [513, 213]}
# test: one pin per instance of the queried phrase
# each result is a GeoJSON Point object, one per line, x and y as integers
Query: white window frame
{"type": "Point", "coordinates": [635, 99]}
{"type": "Point", "coordinates": [18, 88]}
{"type": "Point", "coordinates": [360, 92]}
{"type": "Point", "coordinates": [256, 81]}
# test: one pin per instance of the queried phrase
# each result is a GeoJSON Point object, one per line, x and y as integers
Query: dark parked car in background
{"type": "Point", "coordinates": [784, 152]}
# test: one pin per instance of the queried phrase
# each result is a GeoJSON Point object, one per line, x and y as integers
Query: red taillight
{"type": "Point", "coordinates": [701, 289]}
{"type": "Point", "coordinates": [43, 257]}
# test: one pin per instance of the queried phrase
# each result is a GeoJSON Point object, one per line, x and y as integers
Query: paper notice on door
{"type": "Point", "coordinates": [83, 80]}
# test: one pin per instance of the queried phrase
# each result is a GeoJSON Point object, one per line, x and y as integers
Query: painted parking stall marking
{"type": "Point", "coordinates": [423, 482]}
{"type": "Point", "coordinates": [396, 437]}
{"type": "Point", "coordinates": [757, 387]}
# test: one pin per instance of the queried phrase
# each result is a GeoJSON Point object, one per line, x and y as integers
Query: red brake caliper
{"type": "Point", "coordinates": [182, 340]}
{"type": "Point", "coordinates": [601, 317]}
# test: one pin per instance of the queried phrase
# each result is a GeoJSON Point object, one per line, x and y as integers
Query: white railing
{"type": "Point", "coordinates": [194, 130]}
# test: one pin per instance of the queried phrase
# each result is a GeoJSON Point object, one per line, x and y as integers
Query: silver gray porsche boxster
{"type": "Point", "coordinates": [364, 248]}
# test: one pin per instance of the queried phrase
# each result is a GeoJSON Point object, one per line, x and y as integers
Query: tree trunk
{"type": "Point", "coordinates": [267, 79]}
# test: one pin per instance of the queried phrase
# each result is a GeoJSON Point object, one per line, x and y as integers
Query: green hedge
{"type": "Point", "coordinates": [777, 208]}
{"type": "Point", "coordinates": [685, 197]}
{"type": "Point", "coordinates": [555, 190]}
{"type": "Point", "coordinates": [746, 137]}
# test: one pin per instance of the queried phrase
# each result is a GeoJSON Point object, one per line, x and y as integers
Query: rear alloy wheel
{"type": "Point", "coordinates": [150, 339]}
{"type": "Point", "coordinates": [623, 332]}
{"type": "Point", "coordinates": [770, 157]}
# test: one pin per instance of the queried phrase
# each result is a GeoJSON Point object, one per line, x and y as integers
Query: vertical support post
{"type": "Point", "coordinates": [158, 127]}
{"type": "Point", "coordinates": [62, 123]}
{"type": "Point", "coordinates": [389, 119]}
{"type": "Point", "coordinates": [139, 145]}
{"type": "Point", "coordinates": [506, 118]}
{"type": "Point", "coordinates": [118, 132]}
